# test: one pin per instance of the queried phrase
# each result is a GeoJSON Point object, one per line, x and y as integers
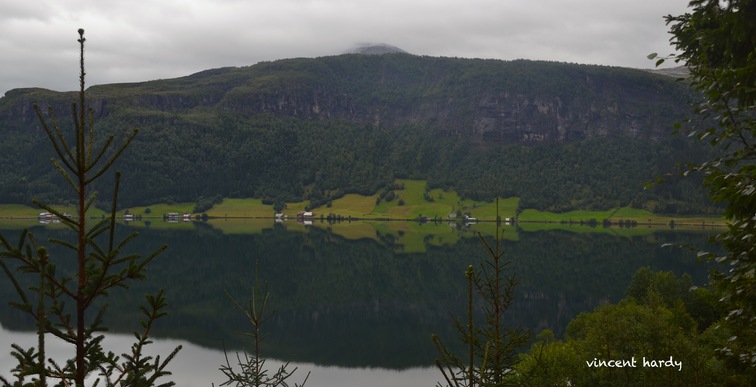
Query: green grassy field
{"type": "Point", "coordinates": [487, 211]}
{"type": "Point", "coordinates": [158, 210]}
{"type": "Point", "coordinates": [574, 216]}
{"type": "Point", "coordinates": [616, 215]}
{"type": "Point", "coordinates": [353, 205]}
{"type": "Point", "coordinates": [241, 208]}
{"type": "Point", "coordinates": [21, 211]}
{"type": "Point", "coordinates": [410, 202]}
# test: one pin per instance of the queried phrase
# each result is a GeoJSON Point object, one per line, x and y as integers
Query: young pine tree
{"type": "Point", "coordinates": [249, 369]}
{"type": "Point", "coordinates": [491, 347]}
{"type": "Point", "coordinates": [64, 305]}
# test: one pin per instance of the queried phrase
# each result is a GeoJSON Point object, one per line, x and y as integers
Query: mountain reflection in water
{"type": "Point", "coordinates": [370, 300]}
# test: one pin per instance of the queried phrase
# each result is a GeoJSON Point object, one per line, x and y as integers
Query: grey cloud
{"type": "Point", "coordinates": [173, 38]}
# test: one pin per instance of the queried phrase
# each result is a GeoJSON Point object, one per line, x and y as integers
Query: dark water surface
{"type": "Point", "coordinates": [361, 305]}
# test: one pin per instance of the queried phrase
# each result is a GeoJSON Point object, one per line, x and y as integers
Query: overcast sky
{"type": "Point", "coordinates": [130, 41]}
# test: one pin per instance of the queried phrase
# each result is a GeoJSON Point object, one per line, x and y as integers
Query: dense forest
{"type": "Point", "coordinates": [559, 136]}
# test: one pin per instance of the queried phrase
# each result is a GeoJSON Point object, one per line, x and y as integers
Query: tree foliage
{"type": "Point", "coordinates": [491, 345]}
{"type": "Point", "coordinates": [716, 40]}
{"type": "Point", "coordinates": [249, 370]}
{"type": "Point", "coordinates": [66, 302]}
{"type": "Point", "coordinates": [658, 320]}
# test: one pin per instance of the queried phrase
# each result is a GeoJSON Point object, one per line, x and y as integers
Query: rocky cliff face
{"type": "Point", "coordinates": [491, 101]}
{"type": "Point", "coordinates": [313, 129]}
{"type": "Point", "coordinates": [592, 108]}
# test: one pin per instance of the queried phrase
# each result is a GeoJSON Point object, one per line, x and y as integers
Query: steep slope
{"type": "Point", "coordinates": [560, 135]}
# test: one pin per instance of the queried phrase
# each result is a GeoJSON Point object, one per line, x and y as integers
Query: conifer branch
{"type": "Point", "coordinates": [49, 133]}
{"type": "Point", "coordinates": [98, 270]}
{"type": "Point", "coordinates": [113, 158]}
{"type": "Point", "coordinates": [61, 138]}
{"type": "Point", "coordinates": [11, 252]}
{"type": "Point", "coordinates": [104, 148]}
{"type": "Point", "coordinates": [64, 174]}
{"type": "Point", "coordinates": [90, 201]}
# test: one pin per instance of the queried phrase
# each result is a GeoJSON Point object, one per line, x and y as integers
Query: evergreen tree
{"type": "Point", "coordinates": [492, 346]}
{"type": "Point", "coordinates": [64, 305]}
{"type": "Point", "coordinates": [249, 369]}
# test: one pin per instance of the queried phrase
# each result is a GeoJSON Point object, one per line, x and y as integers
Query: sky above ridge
{"type": "Point", "coordinates": [130, 41]}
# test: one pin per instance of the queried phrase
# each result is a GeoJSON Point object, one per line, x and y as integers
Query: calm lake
{"type": "Point", "coordinates": [356, 303]}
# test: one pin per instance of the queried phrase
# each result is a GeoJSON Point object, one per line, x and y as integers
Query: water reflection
{"type": "Point", "coordinates": [371, 298]}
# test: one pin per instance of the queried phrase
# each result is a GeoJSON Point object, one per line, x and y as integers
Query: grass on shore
{"type": "Point", "coordinates": [616, 215]}
{"type": "Point", "coordinates": [22, 211]}
{"type": "Point", "coordinates": [410, 202]}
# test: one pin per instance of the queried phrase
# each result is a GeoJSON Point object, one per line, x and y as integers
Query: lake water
{"type": "Point", "coordinates": [356, 303]}
{"type": "Point", "coordinates": [197, 366]}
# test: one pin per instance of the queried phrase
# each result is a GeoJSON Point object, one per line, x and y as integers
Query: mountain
{"type": "Point", "coordinates": [376, 49]}
{"type": "Point", "coordinates": [560, 136]}
{"type": "Point", "coordinates": [677, 72]}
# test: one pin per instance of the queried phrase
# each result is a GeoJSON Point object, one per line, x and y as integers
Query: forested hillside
{"type": "Point", "coordinates": [560, 136]}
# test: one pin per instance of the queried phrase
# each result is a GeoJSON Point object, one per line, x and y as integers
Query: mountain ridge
{"type": "Point", "coordinates": [375, 49]}
{"type": "Point", "coordinates": [515, 111]}
{"type": "Point", "coordinates": [316, 128]}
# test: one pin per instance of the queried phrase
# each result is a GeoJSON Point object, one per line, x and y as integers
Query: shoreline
{"type": "Point", "coordinates": [663, 220]}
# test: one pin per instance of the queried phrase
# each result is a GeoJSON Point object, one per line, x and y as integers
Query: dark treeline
{"type": "Point", "coordinates": [559, 136]}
